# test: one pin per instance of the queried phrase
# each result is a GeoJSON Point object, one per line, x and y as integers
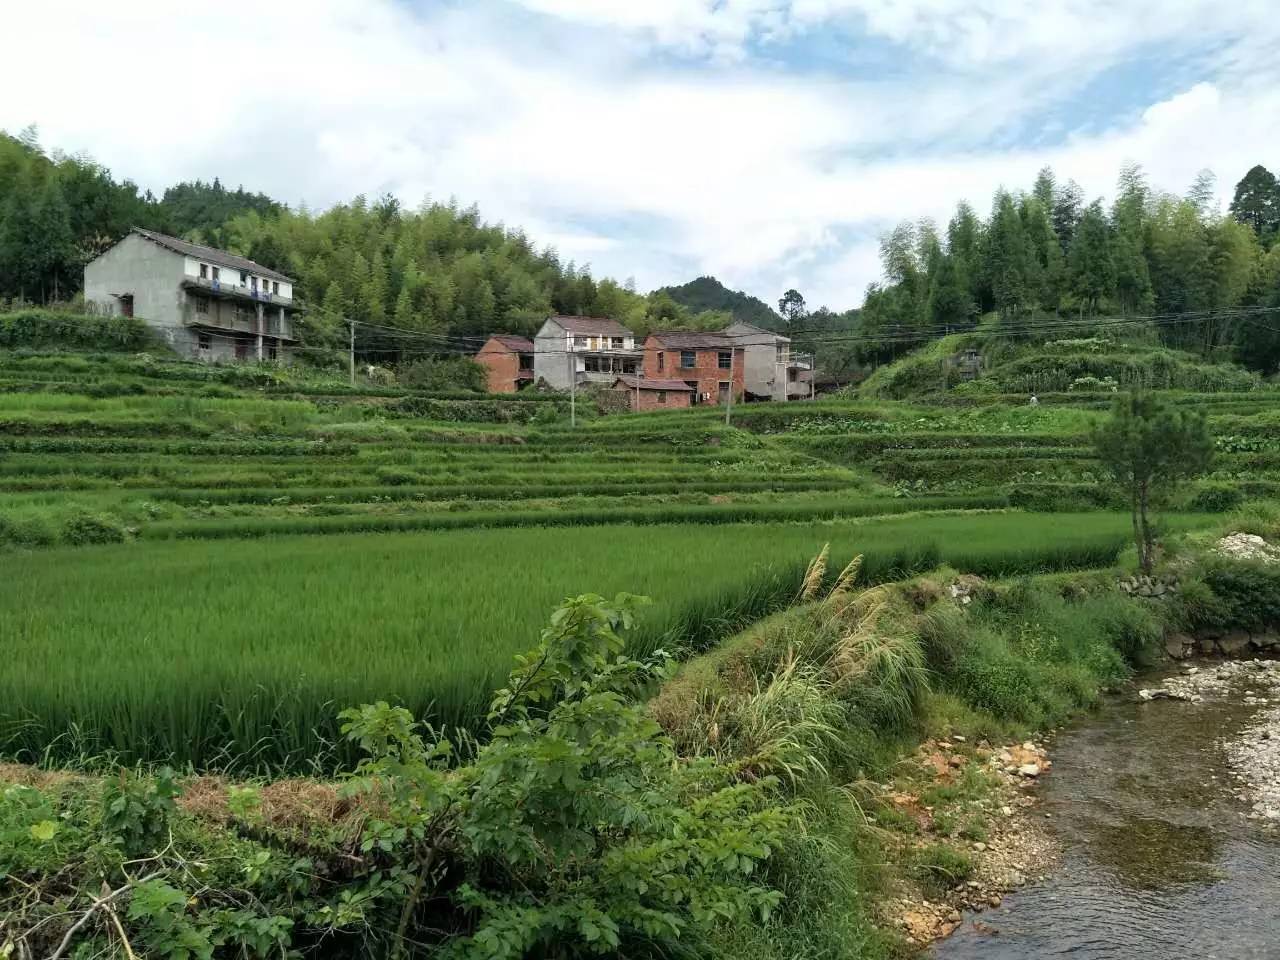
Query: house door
{"type": "Point", "coordinates": [126, 304]}
{"type": "Point", "coordinates": [722, 395]}
{"type": "Point", "coordinates": [242, 349]}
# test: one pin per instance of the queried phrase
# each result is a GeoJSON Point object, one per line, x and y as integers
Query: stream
{"type": "Point", "coordinates": [1159, 858]}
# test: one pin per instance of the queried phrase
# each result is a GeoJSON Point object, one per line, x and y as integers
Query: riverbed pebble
{"type": "Point", "coordinates": [1253, 754]}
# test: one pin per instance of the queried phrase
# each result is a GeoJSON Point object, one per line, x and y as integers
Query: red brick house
{"type": "Point", "coordinates": [655, 394]}
{"type": "Point", "coordinates": [509, 361]}
{"type": "Point", "coordinates": [711, 363]}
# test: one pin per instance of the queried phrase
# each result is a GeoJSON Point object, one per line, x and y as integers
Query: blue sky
{"type": "Point", "coordinates": [768, 142]}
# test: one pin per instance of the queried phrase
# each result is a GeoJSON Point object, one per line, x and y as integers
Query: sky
{"type": "Point", "coordinates": [766, 142]}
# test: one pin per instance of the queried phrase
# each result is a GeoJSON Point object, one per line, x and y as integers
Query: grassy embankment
{"type": "Point", "coordinates": [834, 696]}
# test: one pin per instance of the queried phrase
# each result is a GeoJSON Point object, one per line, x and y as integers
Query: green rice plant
{"type": "Point", "coordinates": [695, 514]}
{"type": "Point", "coordinates": [235, 654]}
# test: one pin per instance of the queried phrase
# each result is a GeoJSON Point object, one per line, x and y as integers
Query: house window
{"type": "Point", "coordinates": [272, 352]}
{"type": "Point", "coordinates": [782, 353]}
{"type": "Point", "coordinates": [253, 283]}
{"type": "Point", "coordinates": [724, 359]}
{"type": "Point", "coordinates": [688, 358]}
{"type": "Point", "coordinates": [204, 341]}
{"type": "Point", "coordinates": [662, 396]}
{"type": "Point", "coordinates": [244, 277]}
{"type": "Point", "coordinates": [792, 374]}
{"type": "Point", "coordinates": [216, 272]}
{"type": "Point", "coordinates": [579, 341]}
{"type": "Point", "coordinates": [662, 361]}
{"type": "Point", "coordinates": [204, 271]}
{"type": "Point", "coordinates": [628, 366]}
{"type": "Point", "coordinates": [617, 343]}
{"type": "Point", "coordinates": [202, 306]}
{"type": "Point", "coordinates": [592, 365]}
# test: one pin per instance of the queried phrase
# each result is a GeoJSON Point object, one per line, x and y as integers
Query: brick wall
{"type": "Point", "coordinates": [502, 366]}
{"type": "Point", "coordinates": [657, 399]}
{"type": "Point", "coordinates": [705, 371]}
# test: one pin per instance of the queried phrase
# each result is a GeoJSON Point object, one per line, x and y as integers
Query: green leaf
{"type": "Point", "coordinates": [44, 831]}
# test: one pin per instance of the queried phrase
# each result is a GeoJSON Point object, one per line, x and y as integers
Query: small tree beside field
{"type": "Point", "coordinates": [1146, 445]}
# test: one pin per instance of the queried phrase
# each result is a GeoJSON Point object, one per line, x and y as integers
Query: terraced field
{"type": "Point", "coordinates": [455, 524]}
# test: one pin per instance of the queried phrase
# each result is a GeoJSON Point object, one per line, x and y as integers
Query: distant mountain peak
{"type": "Point", "coordinates": [708, 293]}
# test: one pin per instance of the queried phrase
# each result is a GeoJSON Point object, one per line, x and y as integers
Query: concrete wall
{"type": "Point", "coordinates": [556, 352]}
{"type": "Point", "coordinates": [230, 275]}
{"type": "Point", "coordinates": [148, 271]}
{"type": "Point", "coordinates": [762, 374]}
{"type": "Point", "coordinates": [154, 275]}
{"type": "Point", "coordinates": [551, 355]}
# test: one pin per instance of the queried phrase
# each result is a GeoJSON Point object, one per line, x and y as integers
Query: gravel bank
{"type": "Point", "coordinates": [1254, 752]}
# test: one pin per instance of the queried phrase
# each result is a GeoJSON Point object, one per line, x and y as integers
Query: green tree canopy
{"type": "Point", "coordinates": [792, 306]}
{"type": "Point", "coordinates": [1146, 445]}
{"type": "Point", "coordinates": [1257, 202]}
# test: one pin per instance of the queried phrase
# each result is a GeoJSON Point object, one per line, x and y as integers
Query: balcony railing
{"type": "Point", "coordinates": [215, 319]}
{"type": "Point", "coordinates": [226, 289]}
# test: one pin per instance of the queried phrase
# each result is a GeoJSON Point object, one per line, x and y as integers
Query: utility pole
{"type": "Point", "coordinates": [351, 350]}
{"type": "Point", "coordinates": [728, 407]}
{"type": "Point", "coordinates": [573, 387]}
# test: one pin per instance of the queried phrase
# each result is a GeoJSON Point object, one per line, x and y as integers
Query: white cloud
{"type": "Point", "coordinates": [559, 116]}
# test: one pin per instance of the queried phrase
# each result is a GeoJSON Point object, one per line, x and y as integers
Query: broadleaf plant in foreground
{"type": "Point", "coordinates": [573, 830]}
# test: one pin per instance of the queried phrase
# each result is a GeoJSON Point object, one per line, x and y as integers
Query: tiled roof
{"type": "Point", "coordinates": [593, 326]}
{"type": "Point", "coordinates": [740, 329]}
{"type": "Point", "coordinates": [686, 340]}
{"type": "Point", "coordinates": [647, 384]}
{"type": "Point", "coordinates": [513, 342]}
{"type": "Point", "coordinates": [211, 254]}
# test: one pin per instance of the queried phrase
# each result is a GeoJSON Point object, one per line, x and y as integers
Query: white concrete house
{"type": "Point", "coordinates": [771, 369]}
{"type": "Point", "coordinates": [208, 304]}
{"type": "Point", "coordinates": [593, 348]}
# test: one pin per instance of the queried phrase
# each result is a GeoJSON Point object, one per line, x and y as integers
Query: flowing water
{"type": "Point", "coordinates": [1159, 861]}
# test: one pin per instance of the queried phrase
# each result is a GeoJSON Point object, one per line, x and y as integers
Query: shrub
{"type": "Point", "coordinates": [87, 528]}
{"type": "Point", "coordinates": [1243, 596]}
{"type": "Point", "coordinates": [444, 373]}
{"type": "Point", "coordinates": [396, 477]}
{"type": "Point", "coordinates": [322, 358]}
{"type": "Point", "coordinates": [27, 532]}
{"type": "Point", "coordinates": [47, 328]}
{"type": "Point", "coordinates": [1217, 498]}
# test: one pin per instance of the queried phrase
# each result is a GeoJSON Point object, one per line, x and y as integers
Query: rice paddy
{"type": "Point", "coordinates": [239, 654]}
{"type": "Point", "coordinates": [203, 565]}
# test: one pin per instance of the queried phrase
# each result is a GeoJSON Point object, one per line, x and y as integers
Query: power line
{"type": "Point", "coordinates": [389, 339]}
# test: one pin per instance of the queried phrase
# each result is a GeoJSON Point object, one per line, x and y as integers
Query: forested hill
{"type": "Point", "coordinates": [57, 212]}
{"type": "Point", "coordinates": [708, 293]}
{"type": "Point", "coordinates": [438, 270]}
{"type": "Point", "coordinates": [1050, 252]}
